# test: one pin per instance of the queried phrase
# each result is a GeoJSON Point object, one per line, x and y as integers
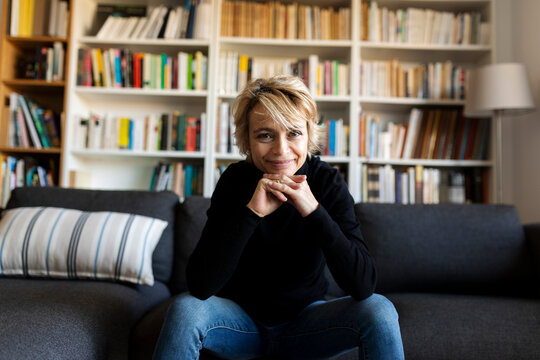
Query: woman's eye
{"type": "Point", "coordinates": [295, 133]}
{"type": "Point", "coordinates": [264, 136]}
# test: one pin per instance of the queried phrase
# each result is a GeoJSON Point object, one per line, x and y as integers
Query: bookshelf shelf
{"type": "Point", "coordinates": [454, 6]}
{"type": "Point", "coordinates": [289, 48]}
{"type": "Point", "coordinates": [423, 47]}
{"type": "Point", "coordinates": [26, 41]}
{"type": "Point", "coordinates": [158, 43]}
{"type": "Point", "coordinates": [138, 154]}
{"type": "Point", "coordinates": [428, 162]}
{"type": "Point", "coordinates": [336, 159]}
{"type": "Point", "coordinates": [28, 83]}
{"type": "Point", "coordinates": [378, 104]}
{"type": "Point", "coordinates": [20, 150]}
{"type": "Point", "coordinates": [285, 42]}
{"type": "Point", "coordinates": [229, 157]}
{"type": "Point", "coordinates": [99, 91]}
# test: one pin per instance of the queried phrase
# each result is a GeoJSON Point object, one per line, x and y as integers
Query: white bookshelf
{"type": "Point", "coordinates": [132, 169]}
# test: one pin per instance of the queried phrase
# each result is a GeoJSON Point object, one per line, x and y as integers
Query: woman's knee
{"type": "Point", "coordinates": [189, 309]}
{"type": "Point", "coordinates": [382, 313]}
{"type": "Point", "coordinates": [378, 312]}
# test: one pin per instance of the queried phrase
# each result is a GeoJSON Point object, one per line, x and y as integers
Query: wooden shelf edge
{"type": "Point", "coordinates": [36, 83]}
{"type": "Point", "coordinates": [21, 150]}
{"type": "Point", "coordinates": [35, 39]}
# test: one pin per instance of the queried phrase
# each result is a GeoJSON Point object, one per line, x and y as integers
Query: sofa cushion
{"type": "Point", "coordinates": [447, 247]}
{"type": "Point", "coordinates": [62, 319]}
{"type": "Point", "coordinates": [160, 205]}
{"type": "Point", "coordinates": [467, 327]}
{"type": "Point", "coordinates": [67, 243]}
{"type": "Point", "coordinates": [189, 224]}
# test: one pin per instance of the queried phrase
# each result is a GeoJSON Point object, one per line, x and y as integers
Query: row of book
{"type": "Point", "coordinates": [323, 77]}
{"type": "Point", "coordinates": [32, 125]}
{"type": "Point", "coordinates": [419, 185]}
{"type": "Point", "coordinates": [225, 128]}
{"type": "Point", "coordinates": [279, 20]}
{"type": "Point", "coordinates": [427, 134]}
{"type": "Point", "coordinates": [122, 68]}
{"type": "Point", "coordinates": [335, 138]}
{"type": "Point", "coordinates": [181, 178]}
{"type": "Point", "coordinates": [422, 26]}
{"type": "Point", "coordinates": [174, 131]}
{"type": "Point", "coordinates": [131, 22]}
{"type": "Point", "coordinates": [46, 63]}
{"type": "Point", "coordinates": [439, 80]}
{"type": "Point", "coordinates": [38, 18]}
{"type": "Point", "coordinates": [19, 172]}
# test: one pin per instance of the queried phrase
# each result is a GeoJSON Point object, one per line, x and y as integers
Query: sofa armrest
{"type": "Point", "coordinates": [532, 234]}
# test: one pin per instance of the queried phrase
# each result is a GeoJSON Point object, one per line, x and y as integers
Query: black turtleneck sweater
{"type": "Point", "coordinates": [273, 266]}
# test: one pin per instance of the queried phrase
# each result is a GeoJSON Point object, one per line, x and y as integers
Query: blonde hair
{"type": "Point", "coordinates": [287, 101]}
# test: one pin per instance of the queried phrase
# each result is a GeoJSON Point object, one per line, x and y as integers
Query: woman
{"type": "Point", "coordinates": [256, 278]}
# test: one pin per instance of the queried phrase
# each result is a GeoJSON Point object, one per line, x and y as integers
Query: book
{"type": "Point", "coordinates": [37, 116]}
{"type": "Point", "coordinates": [30, 125]}
{"type": "Point", "coordinates": [191, 134]}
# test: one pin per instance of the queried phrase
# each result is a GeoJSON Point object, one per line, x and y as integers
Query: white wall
{"type": "Point", "coordinates": [523, 162]}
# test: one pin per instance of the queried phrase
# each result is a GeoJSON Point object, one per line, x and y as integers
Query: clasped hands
{"type": "Point", "coordinates": [274, 189]}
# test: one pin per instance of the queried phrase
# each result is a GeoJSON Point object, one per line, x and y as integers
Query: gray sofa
{"type": "Point", "coordinates": [464, 279]}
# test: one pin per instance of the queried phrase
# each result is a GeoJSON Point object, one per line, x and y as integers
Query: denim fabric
{"type": "Point", "coordinates": [321, 330]}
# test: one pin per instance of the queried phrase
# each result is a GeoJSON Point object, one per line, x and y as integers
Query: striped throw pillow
{"type": "Point", "coordinates": [65, 243]}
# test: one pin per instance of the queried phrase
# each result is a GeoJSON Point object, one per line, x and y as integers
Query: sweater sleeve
{"type": "Point", "coordinates": [336, 229]}
{"type": "Point", "coordinates": [229, 226]}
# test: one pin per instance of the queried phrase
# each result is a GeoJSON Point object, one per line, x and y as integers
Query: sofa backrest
{"type": "Point", "coordinates": [161, 205]}
{"type": "Point", "coordinates": [447, 247]}
{"type": "Point", "coordinates": [189, 225]}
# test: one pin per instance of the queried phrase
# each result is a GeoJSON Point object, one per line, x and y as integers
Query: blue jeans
{"type": "Point", "coordinates": [323, 329]}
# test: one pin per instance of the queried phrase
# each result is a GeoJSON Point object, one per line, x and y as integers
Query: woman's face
{"type": "Point", "coordinates": [273, 148]}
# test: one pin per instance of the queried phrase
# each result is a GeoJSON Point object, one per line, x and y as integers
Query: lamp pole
{"type": "Point", "coordinates": [498, 118]}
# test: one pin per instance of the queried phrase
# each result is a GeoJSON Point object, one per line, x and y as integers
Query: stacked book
{"type": "Point", "coordinates": [323, 77]}
{"type": "Point", "coordinates": [183, 179]}
{"type": "Point", "coordinates": [19, 172]}
{"type": "Point", "coordinates": [32, 125]}
{"type": "Point", "coordinates": [225, 141]}
{"type": "Point", "coordinates": [160, 22]}
{"type": "Point", "coordinates": [335, 138]}
{"type": "Point", "coordinates": [38, 18]}
{"type": "Point", "coordinates": [439, 80]}
{"type": "Point", "coordinates": [274, 19]}
{"type": "Point", "coordinates": [420, 185]}
{"type": "Point", "coordinates": [428, 134]}
{"type": "Point", "coordinates": [123, 68]}
{"type": "Point", "coordinates": [422, 26]}
{"type": "Point", "coordinates": [45, 63]}
{"type": "Point", "coordinates": [169, 131]}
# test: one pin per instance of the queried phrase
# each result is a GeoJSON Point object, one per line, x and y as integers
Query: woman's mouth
{"type": "Point", "coordinates": [281, 164]}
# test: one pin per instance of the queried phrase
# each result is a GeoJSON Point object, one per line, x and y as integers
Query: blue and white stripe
{"type": "Point", "coordinates": [67, 243]}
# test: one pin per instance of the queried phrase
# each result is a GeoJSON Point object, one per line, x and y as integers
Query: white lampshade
{"type": "Point", "coordinates": [498, 87]}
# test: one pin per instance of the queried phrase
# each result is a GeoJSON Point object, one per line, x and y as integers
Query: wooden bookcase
{"type": "Point", "coordinates": [48, 94]}
{"type": "Point", "coordinates": [133, 169]}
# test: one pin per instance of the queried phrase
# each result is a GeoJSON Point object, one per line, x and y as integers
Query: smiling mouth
{"type": "Point", "coordinates": [281, 163]}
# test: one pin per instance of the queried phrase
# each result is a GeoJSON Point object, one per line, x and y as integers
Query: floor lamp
{"type": "Point", "coordinates": [495, 90]}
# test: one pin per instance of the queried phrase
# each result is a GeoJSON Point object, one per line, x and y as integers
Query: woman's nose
{"type": "Point", "coordinates": [281, 145]}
